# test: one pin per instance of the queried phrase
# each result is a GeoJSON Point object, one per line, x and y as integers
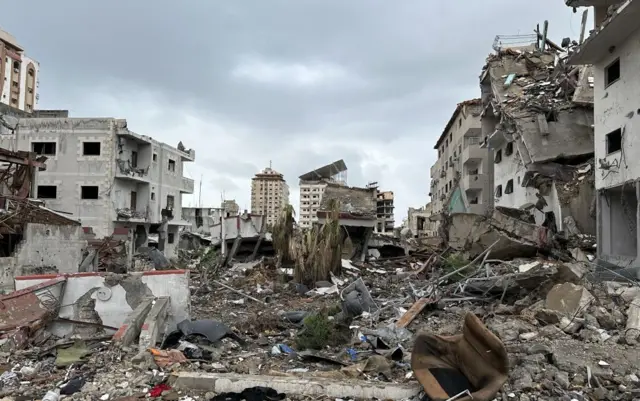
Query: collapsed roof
{"type": "Point", "coordinates": [355, 203]}
{"type": "Point", "coordinates": [540, 102]}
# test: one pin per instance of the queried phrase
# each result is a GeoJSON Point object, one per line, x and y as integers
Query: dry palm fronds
{"type": "Point", "coordinates": [316, 253]}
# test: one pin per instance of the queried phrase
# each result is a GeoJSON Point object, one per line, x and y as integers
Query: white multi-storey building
{"type": "Point", "coordinates": [312, 186]}
{"type": "Point", "coordinates": [107, 176]}
{"type": "Point", "coordinates": [18, 75]}
{"type": "Point", "coordinates": [614, 51]}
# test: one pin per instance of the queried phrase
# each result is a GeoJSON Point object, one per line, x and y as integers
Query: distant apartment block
{"type": "Point", "coordinates": [230, 207]}
{"type": "Point", "coordinates": [461, 178]}
{"type": "Point", "coordinates": [107, 176]}
{"type": "Point", "coordinates": [18, 75]}
{"type": "Point", "coordinates": [269, 194]}
{"type": "Point", "coordinates": [201, 219]}
{"type": "Point", "coordinates": [385, 215]}
{"type": "Point", "coordinates": [312, 187]}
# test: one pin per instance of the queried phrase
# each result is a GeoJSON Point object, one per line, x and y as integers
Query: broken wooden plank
{"type": "Point", "coordinates": [414, 311]}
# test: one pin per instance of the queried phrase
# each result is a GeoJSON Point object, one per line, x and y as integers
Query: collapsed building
{"type": "Point", "coordinates": [386, 220]}
{"type": "Point", "coordinates": [537, 120]}
{"type": "Point", "coordinates": [107, 176]}
{"type": "Point", "coordinates": [419, 222]}
{"type": "Point", "coordinates": [312, 187]}
{"type": "Point", "coordinates": [33, 239]}
{"type": "Point", "coordinates": [358, 216]}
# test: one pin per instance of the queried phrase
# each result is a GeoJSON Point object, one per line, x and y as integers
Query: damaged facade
{"type": "Point", "coordinates": [461, 177]}
{"type": "Point", "coordinates": [312, 187]}
{"type": "Point", "coordinates": [537, 120]}
{"type": "Point", "coordinates": [107, 176]}
{"type": "Point", "coordinates": [33, 239]}
{"type": "Point", "coordinates": [419, 222]}
{"type": "Point", "coordinates": [385, 216]}
{"type": "Point", "coordinates": [613, 51]}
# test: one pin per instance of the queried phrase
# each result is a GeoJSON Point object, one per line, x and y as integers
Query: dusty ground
{"type": "Point", "coordinates": [548, 361]}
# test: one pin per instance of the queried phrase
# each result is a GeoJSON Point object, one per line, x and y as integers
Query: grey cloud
{"type": "Point", "coordinates": [223, 184]}
{"type": "Point", "coordinates": [406, 66]}
{"type": "Point", "coordinates": [229, 166]}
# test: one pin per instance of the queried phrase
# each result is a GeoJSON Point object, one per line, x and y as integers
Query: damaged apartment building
{"type": "Point", "coordinates": [613, 49]}
{"type": "Point", "coordinates": [33, 238]}
{"type": "Point", "coordinates": [108, 177]}
{"type": "Point", "coordinates": [312, 187]}
{"type": "Point", "coordinates": [419, 222]}
{"type": "Point", "coordinates": [461, 178]}
{"type": "Point", "coordinates": [384, 203]}
{"type": "Point", "coordinates": [537, 116]}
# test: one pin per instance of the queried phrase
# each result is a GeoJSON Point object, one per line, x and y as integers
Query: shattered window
{"type": "Point", "coordinates": [498, 157]}
{"type": "Point", "coordinates": [509, 188]}
{"type": "Point", "coordinates": [499, 191]}
{"type": "Point", "coordinates": [612, 72]}
{"type": "Point", "coordinates": [91, 148]}
{"type": "Point", "coordinates": [47, 192]}
{"type": "Point", "coordinates": [614, 141]}
{"type": "Point", "coordinates": [44, 148]}
{"type": "Point", "coordinates": [509, 149]}
{"type": "Point", "coordinates": [172, 165]}
{"type": "Point", "coordinates": [89, 192]}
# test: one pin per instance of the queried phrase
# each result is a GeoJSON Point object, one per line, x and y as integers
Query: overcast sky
{"type": "Point", "coordinates": [299, 83]}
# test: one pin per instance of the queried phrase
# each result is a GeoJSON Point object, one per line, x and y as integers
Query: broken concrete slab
{"type": "Point", "coordinates": [569, 299]}
{"type": "Point", "coordinates": [231, 382]}
{"type": "Point", "coordinates": [473, 233]}
{"type": "Point", "coordinates": [107, 298]}
{"type": "Point", "coordinates": [153, 326]}
{"type": "Point", "coordinates": [572, 272]}
{"type": "Point", "coordinates": [632, 331]}
{"type": "Point", "coordinates": [130, 329]}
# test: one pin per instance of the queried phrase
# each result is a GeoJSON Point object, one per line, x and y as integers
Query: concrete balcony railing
{"type": "Point", "coordinates": [474, 153]}
{"type": "Point", "coordinates": [187, 185]}
{"type": "Point", "coordinates": [127, 171]}
{"type": "Point", "coordinates": [474, 181]}
{"type": "Point", "coordinates": [130, 214]}
{"type": "Point", "coordinates": [187, 155]}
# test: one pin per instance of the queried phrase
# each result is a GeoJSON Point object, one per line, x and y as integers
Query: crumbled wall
{"type": "Point", "coordinates": [44, 249]}
{"type": "Point", "coordinates": [357, 201]}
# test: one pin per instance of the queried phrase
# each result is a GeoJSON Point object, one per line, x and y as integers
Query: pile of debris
{"type": "Point", "coordinates": [533, 81]}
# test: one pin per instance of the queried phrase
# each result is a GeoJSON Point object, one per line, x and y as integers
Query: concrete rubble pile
{"type": "Point", "coordinates": [543, 109]}
{"type": "Point", "coordinates": [238, 328]}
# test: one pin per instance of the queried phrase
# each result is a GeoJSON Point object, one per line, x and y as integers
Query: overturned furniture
{"type": "Point", "coordinates": [472, 365]}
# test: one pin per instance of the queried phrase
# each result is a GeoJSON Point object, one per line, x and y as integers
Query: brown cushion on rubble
{"type": "Point", "coordinates": [475, 360]}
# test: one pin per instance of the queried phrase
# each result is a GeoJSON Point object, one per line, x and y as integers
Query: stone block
{"type": "Point", "coordinates": [569, 299]}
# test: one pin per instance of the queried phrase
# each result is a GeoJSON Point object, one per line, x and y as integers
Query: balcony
{"type": "Point", "coordinates": [187, 185]}
{"type": "Point", "coordinates": [473, 151]}
{"type": "Point", "coordinates": [127, 214]}
{"type": "Point", "coordinates": [187, 155]}
{"type": "Point", "coordinates": [474, 181]}
{"type": "Point", "coordinates": [125, 171]}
